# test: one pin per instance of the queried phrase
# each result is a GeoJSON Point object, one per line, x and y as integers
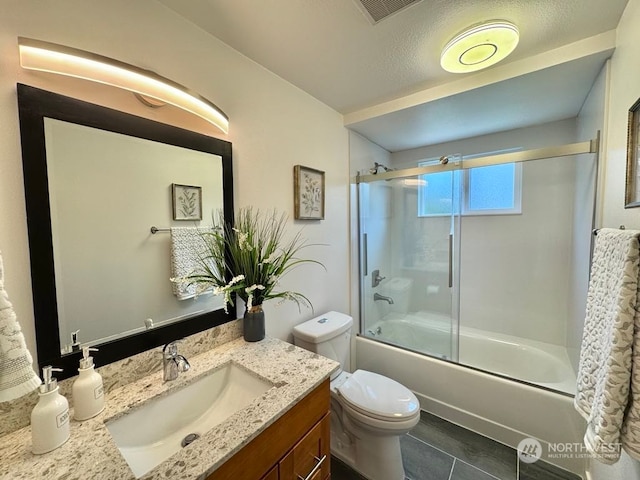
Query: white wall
{"type": "Point", "coordinates": [590, 120]}
{"type": "Point", "coordinates": [548, 134]}
{"type": "Point", "coordinates": [624, 91]}
{"type": "Point", "coordinates": [274, 126]}
{"type": "Point", "coordinates": [515, 268]}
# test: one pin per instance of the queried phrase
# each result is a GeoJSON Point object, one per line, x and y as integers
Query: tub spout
{"type": "Point", "coordinates": [377, 296]}
{"type": "Point", "coordinates": [377, 331]}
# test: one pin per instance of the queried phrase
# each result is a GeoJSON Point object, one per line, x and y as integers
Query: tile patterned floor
{"type": "Point", "coordinates": [439, 450]}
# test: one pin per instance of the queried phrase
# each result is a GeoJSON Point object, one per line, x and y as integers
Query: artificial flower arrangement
{"type": "Point", "coordinates": [255, 254]}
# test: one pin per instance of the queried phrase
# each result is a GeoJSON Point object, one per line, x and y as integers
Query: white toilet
{"type": "Point", "coordinates": [369, 412]}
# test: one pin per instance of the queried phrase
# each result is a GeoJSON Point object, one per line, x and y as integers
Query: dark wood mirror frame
{"type": "Point", "coordinates": [34, 105]}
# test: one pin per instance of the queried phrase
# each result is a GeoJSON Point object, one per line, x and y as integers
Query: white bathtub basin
{"type": "Point", "coordinates": [152, 433]}
{"type": "Point", "coordinates": [523, 359]}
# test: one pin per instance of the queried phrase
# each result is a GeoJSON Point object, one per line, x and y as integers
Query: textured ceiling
{"type": "Point", "coordinates": [331, 50]}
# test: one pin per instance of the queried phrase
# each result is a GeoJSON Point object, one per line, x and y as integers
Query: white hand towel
{"type": "Point", "coordinates": [186, 247]}
{"type": "Point", "coordinates": [630, 436]}
{"type": "Point", "coordinates": [604, 372]}
{"type": "Point", "coordinates": [17, 377]}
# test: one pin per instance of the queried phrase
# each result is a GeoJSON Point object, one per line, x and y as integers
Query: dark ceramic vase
{"type": "Point", "coordinates": [253, 324]}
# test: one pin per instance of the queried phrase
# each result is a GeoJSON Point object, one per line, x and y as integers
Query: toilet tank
{"type": "Point", "coordinates": [328, 335]}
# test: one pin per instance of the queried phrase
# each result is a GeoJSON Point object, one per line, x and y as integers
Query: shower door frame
{"type": "Point", "coordinates": [590, 146]}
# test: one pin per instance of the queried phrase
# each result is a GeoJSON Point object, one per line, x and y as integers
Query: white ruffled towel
{"type": "Point", "coordinates": [17, 377]}
{"type": "Point", "coordinates": [608, 384]}
{"type": "Point", "coordinates": [186, 247]}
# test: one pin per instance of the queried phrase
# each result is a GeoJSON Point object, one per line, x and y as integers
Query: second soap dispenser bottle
{"type": "Point", "coordinates": [87, 390]}
{"type": "Point", "coordinates": [50, 417]}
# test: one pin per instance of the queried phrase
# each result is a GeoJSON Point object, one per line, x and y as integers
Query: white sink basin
{"type": "Point", "coordinates": [152, 433]}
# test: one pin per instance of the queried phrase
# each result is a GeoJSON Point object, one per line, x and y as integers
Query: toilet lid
{"type": "Point", "coordinates": [379, 396]}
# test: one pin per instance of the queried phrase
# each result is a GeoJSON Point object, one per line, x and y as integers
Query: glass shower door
{"type": "Point", "coordinates": [409, 231]}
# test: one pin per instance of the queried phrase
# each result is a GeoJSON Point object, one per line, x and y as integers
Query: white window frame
{"type": "Point", "coordinates": [465, 210]}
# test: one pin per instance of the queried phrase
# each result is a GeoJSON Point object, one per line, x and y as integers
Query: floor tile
{"type": "Point", "coordinates": [341, 471]}
{"type": "Point", "coordinates": [544, 471]}
{"type": "Point", "coordinates": [439, 450]}
{"type": "Point", "coordinates": [476, 450]}
{"type": "Point", "coordinates": [423, 462]}
{"type": "Point", "coordinates": [464, 471]}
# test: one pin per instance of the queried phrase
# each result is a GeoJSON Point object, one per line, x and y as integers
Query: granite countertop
{"type": "Point", "coordinates": [92, 453]}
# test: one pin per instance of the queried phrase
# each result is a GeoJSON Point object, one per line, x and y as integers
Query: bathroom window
{"type": "Point", "coordinates": [491, 190]}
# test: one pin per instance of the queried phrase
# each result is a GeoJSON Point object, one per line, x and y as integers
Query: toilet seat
{"type": "Point", "coordinates": [378, 397]}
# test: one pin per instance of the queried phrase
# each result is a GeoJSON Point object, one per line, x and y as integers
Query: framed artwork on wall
{"type": "Point", "coordinates": [187, 202]}
{"type": "Point", "coordinates": [308, 191]}
{"type": "Point", "coordinates": [632, 183]}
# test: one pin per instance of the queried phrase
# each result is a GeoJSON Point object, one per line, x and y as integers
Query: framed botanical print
{"type": "Point", "coordinates": [187, 202]}
{"type": "Point", "coordinates": [308, 189]}
{"type": "Point", "coordinates": [632, 184]}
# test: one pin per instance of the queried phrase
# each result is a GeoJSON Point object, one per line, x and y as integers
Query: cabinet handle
{"type": "Point", "coordinates": [315, 469]}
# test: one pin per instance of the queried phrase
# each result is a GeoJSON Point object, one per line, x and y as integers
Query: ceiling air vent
{"type": "Point", "coordinates": [376, 10]}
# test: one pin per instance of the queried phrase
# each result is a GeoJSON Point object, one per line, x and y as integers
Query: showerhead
{"type": "Point", "coordinates": [376, 166]}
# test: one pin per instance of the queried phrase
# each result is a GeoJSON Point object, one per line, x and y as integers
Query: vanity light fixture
{"type": "Point", "coordinates": [480, 46]}
{"type": "Point", "coordinates": [53, 58]}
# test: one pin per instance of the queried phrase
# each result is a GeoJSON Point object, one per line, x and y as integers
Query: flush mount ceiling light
{"type": "Point", "coordinates": [480, 47]}
{"type": "Point", "coordinates": [52, 58]}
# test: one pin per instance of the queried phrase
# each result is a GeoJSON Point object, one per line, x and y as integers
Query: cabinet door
{"type": "Point", "coordinates": [310, 459]}
{"type": "Point", "coordinates": [272, 475]}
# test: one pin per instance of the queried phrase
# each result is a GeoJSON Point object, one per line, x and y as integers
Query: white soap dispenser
{"type": "Point", "coordinates": [87, 390]}
{"type": "Point", "coordinates": [50, 416]}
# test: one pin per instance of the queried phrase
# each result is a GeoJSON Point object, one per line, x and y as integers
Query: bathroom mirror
{"type": "Point", "coordinates": [96, 181]}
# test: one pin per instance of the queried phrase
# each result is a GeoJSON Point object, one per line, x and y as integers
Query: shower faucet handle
{"type": "Point", "coordinates": [376, 278]}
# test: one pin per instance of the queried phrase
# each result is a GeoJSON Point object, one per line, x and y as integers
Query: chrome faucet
{"type": "Point", "coordinates": [377, 331]}
{"type": "Point", "coordinates": [173, 363]}
{"type": "Point", "coordinates": [377, 296]}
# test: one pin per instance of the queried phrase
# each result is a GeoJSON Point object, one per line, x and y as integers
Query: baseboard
{"type": "Point", "coordinates": [471, 421]}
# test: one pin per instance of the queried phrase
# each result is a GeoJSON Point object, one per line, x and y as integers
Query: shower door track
{"type": "Point", "coordinates": [590, 146]}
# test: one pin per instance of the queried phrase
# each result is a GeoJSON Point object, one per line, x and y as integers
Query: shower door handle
{"type": "Point", "coordinates": [450, 260]}
{"type": "Point", "coordinates": [365, 261]}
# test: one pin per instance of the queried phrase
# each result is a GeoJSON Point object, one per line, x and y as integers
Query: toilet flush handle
{"type": "Point", "coordinates": [315, 469]}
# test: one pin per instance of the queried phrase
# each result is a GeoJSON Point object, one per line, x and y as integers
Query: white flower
{"type": "Point", "coordinates": [225, 288]}
{"type": "Point", "coordinates": [242, 240]}
{"type": "Point", "coordinates": [271, 258]}
{"type": "Point", "coordinates": [218, 290]}
{"type": "Point", "coordinates": [249, 291]}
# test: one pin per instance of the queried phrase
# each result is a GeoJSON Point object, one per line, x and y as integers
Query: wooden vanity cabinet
{"type": "Point", "coordinates": [290, 448]}
{"type": "Point", "coordinates": [273, 474]}
{"type": "Point", "coordinates": [310, 458]}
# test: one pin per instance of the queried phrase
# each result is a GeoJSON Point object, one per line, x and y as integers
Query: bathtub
{"type": "Point", "coordinates": [527, 360]}
{"type": "Point", "coordinates": [495, 406]}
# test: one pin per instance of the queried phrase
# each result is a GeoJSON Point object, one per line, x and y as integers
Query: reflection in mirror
{"type": "Point", "coordinates": [106, 190]}
{"type": "Point", "coordinates": [96, 180]}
